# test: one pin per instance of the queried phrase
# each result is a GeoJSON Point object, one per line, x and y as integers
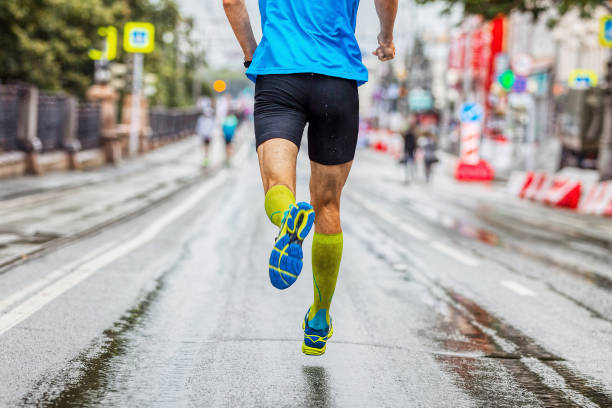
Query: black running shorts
{"type": "Point", "coordinates": [284, 103]}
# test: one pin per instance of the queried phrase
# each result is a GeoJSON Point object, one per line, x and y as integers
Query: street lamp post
{"type": "Point", "coordinates": [136, 97]}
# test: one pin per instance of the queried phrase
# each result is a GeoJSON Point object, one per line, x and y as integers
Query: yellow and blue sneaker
{"type": "Point", "coordinates": [286, 256]}
{"type": "Point", "coordinates": [315, 338]}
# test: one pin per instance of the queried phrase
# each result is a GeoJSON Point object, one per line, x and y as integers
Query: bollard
{"type": "Point", "coordinates": [26, 129]}
{"type": "Point", "coordinates": [70, 141]}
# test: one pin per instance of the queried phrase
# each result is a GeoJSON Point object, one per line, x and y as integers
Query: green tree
{"type": "Point", "coordinates": [46, 43]}
{"type": "Point", "coordinates": [491, 8]}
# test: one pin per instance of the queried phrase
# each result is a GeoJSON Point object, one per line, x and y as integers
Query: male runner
{"type": "Point", "coordinates": [306, 69]}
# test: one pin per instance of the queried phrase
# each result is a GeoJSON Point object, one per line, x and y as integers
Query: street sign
{"type": "Point", "coordinates": [471, 112]}
{"type": "Point", "coordinates": [139, 37]}
{"type": "Point", "coordinates": [110, 45]}
{"type": "Point", "coordinates": [522, 64]}
{"type": "Point", "coordinates": [605, 31]}
{"type": "Point", "coordinates": [582, 79]}
{"type": "Point", "coordinates": [506, 79]}
{"type": "Point", "coordinates": [520, 84]}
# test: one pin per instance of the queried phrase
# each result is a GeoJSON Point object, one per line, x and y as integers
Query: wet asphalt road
{"type": "Point", "coordinates": [443, 299]}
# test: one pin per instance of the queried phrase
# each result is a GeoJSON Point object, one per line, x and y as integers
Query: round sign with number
{"type": "Point", "coordinates": [471, 112]}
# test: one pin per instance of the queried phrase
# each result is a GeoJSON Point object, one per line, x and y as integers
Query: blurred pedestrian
{"type": "Point", "coordinates": [204, 129]}
{"type": "Point", "coordinates": [410, 146]}
{"type": "Point", "coordinates": [230, 123]}
{"type": "Point", "coordinates": [429, 154]}
{"type": "Point", "coordinates": [307, 69]}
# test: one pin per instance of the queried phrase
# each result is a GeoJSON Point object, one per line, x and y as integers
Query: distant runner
{"type": "Point", "coordinates": [229, 129]}
{"type": "Point", "coordinates": [204, 129]}
{"type": "Point", "coordinates": [306, 70]}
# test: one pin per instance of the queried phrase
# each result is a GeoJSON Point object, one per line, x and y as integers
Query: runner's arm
{"type": "Point", "coordinates": [238, 17]}
{"type": "Point", "coordinates": [386, 10]}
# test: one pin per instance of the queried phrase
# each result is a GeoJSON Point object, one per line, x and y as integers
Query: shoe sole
{"type": "Point", "coordinates": [313, 351]}
{"type": "Point", "coordinates": [286, 257]}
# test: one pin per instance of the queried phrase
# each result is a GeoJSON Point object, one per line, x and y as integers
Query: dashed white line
{"type": "Point", "coordinates": [455, 253]}
{"type": "Point", "coordinates": [414, 232]}
{"type": "Point", "coordinates": [517, 288]}
{"type": "Point", "coordinates": [95, 263]}
{"type": "Point", "coordinates": [390, 218]}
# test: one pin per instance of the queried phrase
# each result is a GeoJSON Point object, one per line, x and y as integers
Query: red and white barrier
{"type": "Point", "coordinates": [519, 182]}
{"type": "Point", "coordinates": [563, 192]}
{"type": "Point", "coordinates": [536, 190]}
{"type": "Point", "coordinates": [598, 200]}
{"type": "Point", "coordinates": [571, 188]}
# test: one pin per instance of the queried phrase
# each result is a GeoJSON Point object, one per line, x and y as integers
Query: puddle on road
{"type": "Point", "coordinates": [467, 327]}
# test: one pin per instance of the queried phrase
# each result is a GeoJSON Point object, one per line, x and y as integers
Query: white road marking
{"type": "Point", "coordinates": [88, 268]}
{"type": "Point", "coordinates": [47, 279]}
{"type": "Point", "coordinates": [455, 253]}
{"type": "Point", "coordinates": [397, 222]}
{"type": "Point", "coordinates": [517, 288]}
{"type": "Point", "coordinates": [390, 218]}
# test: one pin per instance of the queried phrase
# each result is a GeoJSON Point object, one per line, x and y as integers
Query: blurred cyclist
{"type": "Point", "coordinates": [306, 69]}
{"type": "Point", "coordinates": [229, 129]}
{"type": "Point", "coordinates": [204, 129]}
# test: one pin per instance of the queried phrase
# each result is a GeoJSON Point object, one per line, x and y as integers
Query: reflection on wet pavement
{"type": "Point", "coordinates": [85, 381]}
{"type": "Point", "coordinates": [317, 387]}
{"type": "Point", "coordinates": [486, 354]}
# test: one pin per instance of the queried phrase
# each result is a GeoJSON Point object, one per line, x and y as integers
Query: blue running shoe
{"type": "Point", "coordinates": [286, 257]}
{"type": "Point", "coordinates": [315, 341]}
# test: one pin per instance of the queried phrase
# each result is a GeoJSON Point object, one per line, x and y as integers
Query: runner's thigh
{"type": "Point", "coordinates": [279, 108]}
{"type": "Point", "coordinates": [333, 116]}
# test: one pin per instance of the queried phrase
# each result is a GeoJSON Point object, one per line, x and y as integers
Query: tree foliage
{"type": "Point", "coordinates": [45, 43]}
{"type": "Point", "coordinates": [492, 8]}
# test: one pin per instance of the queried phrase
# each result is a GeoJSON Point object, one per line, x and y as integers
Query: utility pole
{"type": "Point", "coordinates": [604, 162]}
{"type": "Point", "coordinates": [605, 141]}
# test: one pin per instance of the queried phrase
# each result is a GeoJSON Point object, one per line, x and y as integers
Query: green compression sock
{"type": "Point", "coordinates": [326, 256]}
{"type": "Point", "coordinates": [278, 200]}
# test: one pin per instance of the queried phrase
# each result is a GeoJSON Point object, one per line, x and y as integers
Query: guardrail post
{"type": "Point", "coordinates": [70, 140]}
{"type": "Point", "coordinates": [26, 129]}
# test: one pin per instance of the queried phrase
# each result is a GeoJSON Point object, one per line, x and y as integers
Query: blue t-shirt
{"type": "Point", "coordinates": [315, 36]}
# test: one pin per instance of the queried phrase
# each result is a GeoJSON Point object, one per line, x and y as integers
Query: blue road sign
{"type": "Point", "coordinates": [605, 31]}
{"type": "Point", "coordinates": [471, 112]}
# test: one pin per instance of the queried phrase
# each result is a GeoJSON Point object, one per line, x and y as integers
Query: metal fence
{"type": "Point", "coordinates": [89, 125]}
{"type": "Point", "coordinates": [166, 124]}
{"type": "Point", "coordinates": [172, 123]}
{"type": "Point", "coordinates": [51, 118]}
{"type": "Point", "coordinates": [9, 116]}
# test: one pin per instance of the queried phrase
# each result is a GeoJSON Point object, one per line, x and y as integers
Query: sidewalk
{"type": "Point", "coordinates": [42, 212]}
